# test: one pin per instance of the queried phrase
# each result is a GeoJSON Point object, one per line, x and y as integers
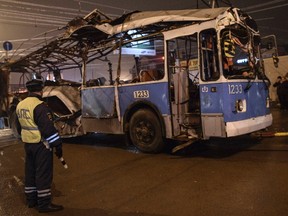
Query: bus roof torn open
{"type": "Point", "coordinates": [95, 35]}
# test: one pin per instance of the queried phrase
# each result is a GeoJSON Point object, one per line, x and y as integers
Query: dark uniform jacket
{"type": "Point", "coordinates": [36, 122]}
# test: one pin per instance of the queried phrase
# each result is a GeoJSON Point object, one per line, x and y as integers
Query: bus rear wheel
{"type": "Point", "coordinates": [145, 131]}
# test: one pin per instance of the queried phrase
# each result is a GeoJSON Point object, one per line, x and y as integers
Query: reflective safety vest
{"type": "Point", "coordinates": [24, 111]}
{"type": "Point", "coordinates": [229, 48]}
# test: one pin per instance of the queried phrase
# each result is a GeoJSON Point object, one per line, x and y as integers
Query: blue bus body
{"type": "Point", "coordinates": [212, 83]}
{"type": "Point", "coordinates": [223, 98]}
{"type": "Point", "coordinates": [157, 75]}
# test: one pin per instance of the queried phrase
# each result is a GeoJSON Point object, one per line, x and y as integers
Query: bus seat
{"type": "Point", "coordinates": [96, 82]}
{"type": "Point", "coordinates": [148, 75]}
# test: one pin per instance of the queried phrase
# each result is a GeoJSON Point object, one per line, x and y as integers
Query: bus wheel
{"type": "Point", "coordinates": [145, 131]}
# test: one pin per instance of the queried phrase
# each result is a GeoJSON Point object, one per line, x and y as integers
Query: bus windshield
{"type": "Point", "coordinates": [240, 53]}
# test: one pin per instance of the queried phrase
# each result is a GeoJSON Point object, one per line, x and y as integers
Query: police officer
{"type": "Point", "coordinates": [37, 129]}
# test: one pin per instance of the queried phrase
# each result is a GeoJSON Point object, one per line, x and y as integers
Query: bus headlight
{"type": "Point", "coordinates": [267, 102]}
{"type": "Point", "coordinates": [240, 105]}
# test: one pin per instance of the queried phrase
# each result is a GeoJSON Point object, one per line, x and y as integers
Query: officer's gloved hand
{"type": "Point", "coordinates": [58, 151]}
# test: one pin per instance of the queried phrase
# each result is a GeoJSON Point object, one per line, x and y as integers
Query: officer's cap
{"type": "Point", "coordinates": [34, 85]}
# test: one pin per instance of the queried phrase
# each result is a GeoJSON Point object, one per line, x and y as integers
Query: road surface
{"type": "Point", "coordinates": [244, 176]}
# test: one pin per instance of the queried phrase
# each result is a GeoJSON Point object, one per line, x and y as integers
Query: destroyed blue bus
{"type": "Point", "coordinates": [156, 75]}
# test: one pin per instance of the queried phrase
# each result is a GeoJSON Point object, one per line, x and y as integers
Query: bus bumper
{"type": "Point", "coordinates": [248, 126]}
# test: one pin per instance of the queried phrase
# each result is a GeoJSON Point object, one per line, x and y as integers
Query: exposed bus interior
{"type": "Point", "coordinates": [184, 72]}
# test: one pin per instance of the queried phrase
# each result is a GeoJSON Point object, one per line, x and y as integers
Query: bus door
{"type": "Point", "coordinates": [184, 81]}
{"type": "Point", "coordinates": [210, 89]}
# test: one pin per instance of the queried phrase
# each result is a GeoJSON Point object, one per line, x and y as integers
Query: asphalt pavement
{"type": "Point", "coordinates": [243, 176]}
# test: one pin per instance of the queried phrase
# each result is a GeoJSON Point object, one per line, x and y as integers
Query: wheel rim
{"type": "Point", "coordinates": [144, 132]}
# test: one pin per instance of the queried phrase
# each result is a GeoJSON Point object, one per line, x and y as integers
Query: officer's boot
{"type": "Point", "coordinates": [45, 205]}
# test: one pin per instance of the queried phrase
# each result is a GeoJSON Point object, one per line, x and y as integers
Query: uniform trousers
{"type": "Point", "coordinates": [38, 174]}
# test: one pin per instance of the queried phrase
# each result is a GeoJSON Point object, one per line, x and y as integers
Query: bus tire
{"type": "Point", "coordinates": [145, 131]}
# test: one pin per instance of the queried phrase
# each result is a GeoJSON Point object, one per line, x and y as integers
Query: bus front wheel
{"type": "Point", "coordinates": [145, 131]}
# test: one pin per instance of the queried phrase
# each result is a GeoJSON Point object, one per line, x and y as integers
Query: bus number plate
{"type": "Point", "coordinates": [141, 94]}
{"type": "Point", "coordinates": [235, 89]}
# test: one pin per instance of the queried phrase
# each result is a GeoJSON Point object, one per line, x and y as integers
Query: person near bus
{"type": "Point", "coordinates": [277, 85]}
{"type": "Point", "coordinates": [283, 91]}
{"type": "Point", "coordinates": [40, 137]}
